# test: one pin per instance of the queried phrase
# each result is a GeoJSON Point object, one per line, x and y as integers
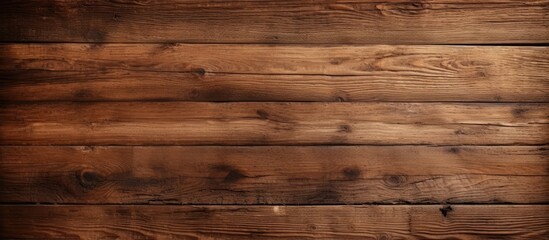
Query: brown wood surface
{"type": "Point", "coordinates": [198, 72]}
{"type": "Point", "coordinates": [255, 119]}
{"type": "Point", "coordinates": [340, 21]}
{"type": "Point", "coordinates": [274, 222]}
{"type": "Point", "coordinates": [275, 175]}
{"type": "Point", "coordinates": [177, 123]}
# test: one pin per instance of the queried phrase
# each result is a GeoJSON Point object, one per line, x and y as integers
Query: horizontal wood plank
{"type": "Point", "coordinates": [192, 123]}
{"type": "Point", "coordinates": [341, 21]}
{"type": "Point", "coordinates": [274, 222]}
{"type": "Point", "coordinates": [196, 72]}
{"type": "Point", "coordinates": [274, 175]}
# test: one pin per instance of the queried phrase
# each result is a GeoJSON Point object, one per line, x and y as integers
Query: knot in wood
{"type": "Point", "coordinates": [394, 180]}
{"type": "Point", "coordinates": [89, 179]}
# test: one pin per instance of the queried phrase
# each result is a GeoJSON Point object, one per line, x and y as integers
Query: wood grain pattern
{"type": "Point", "coordinates": [197, 72]}
{"type": "Point", "coordinates": [341, 21]}
{"type": "Point", "coordinates": [254, 119]}
{"type": "Point", "coordinates": [274, 175]}
{"type": "Point", "coordinates": [176, 123]}
{"type": "Point", "coordinates": [273, 222]}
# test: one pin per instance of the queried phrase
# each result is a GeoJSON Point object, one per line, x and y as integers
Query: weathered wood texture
{"type": "Point", "coordinates": [108, 116]}
{"type": "Point", "coordinates": [273, 222]}
{"type": "Point", "coordinates": [340, 21]}
{"type": "Point", "coordinates": [275, 175]}
{"type": "Point", "coordinates": [176, 123]}
{"type": "Point", "coordinates": [196, 72]}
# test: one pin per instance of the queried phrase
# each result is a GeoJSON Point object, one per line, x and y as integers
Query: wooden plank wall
{"type": "Point", "coordinates": [329, 119]}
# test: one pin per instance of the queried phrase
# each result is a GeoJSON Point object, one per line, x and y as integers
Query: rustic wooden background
{"type": "Point", "coordinates": [336, 119]}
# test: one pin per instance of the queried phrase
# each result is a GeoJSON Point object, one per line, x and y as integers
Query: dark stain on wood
{"type": "Point", "coordinates": [95, 35]}
{"type": "Point", "coordinates": [200, 72]}
{"type": "Point", "coordinates": [123, 212]}
{"type": "Point", "coordinates": [454, 150]}
{"type": "Point", "coordinates": [338, 61]}
{"type": "Point", "coordinates": [352, 173]}
{"type": "Point", "coordinates": [262, 114]}
{"type": "Point", "coordinates": [168, 46]}
{"type": "Point", "coordinates": [83, 94]}
{"type": "Point", "coordinates": [326, 193]}
{"type": "Point", "coordinates": [89, 179]}
{"type": "Point", "coordinates": [519, 112]}
{"type": "Point", "coordinates": [219, 93]}
{"type": "Point", "coordinates": [95, 47]}
{"type": "Point", "coordinates": [128, 180]}
{"type": "Point", "coordinates": [232, 175]}
{"type": "Point", "coordinates": [344, 128]}
{"type": "Point", "coordinates": [446, 210]}
{"type": "Point", "coordinates": [340, 99]}
{"type": "Point", "coordinates": [460, 132]}
{"type": "Point", "coordinates": [384, 236]}
{"type": "Point", "coordinates": [116, 17]}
